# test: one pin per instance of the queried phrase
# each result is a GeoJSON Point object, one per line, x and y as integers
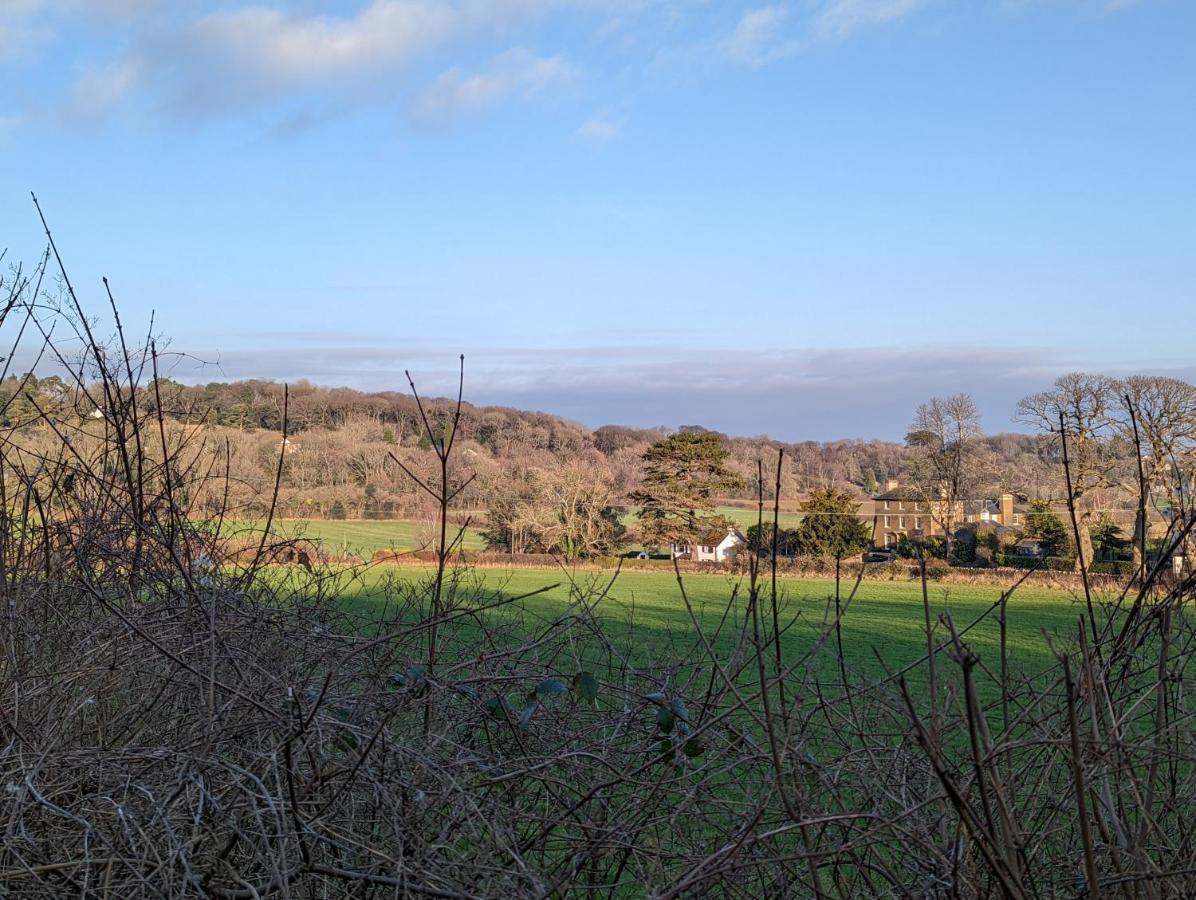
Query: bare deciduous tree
{"type": "Point", "coordinates": [1078, 407]}
{"type": "Point", "coordinates": [1156, 417]}
{"type": "Point", "coordinates": [945, 436]}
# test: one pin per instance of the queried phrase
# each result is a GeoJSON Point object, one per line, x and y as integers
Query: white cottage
{"type": "Point", "coordinates": [711, 547]}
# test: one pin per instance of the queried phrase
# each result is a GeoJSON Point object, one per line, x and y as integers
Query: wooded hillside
{"type": "Point", "coordinates": [338, 462]}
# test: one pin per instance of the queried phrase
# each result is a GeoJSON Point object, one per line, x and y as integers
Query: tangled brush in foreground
{"type": "Point", "coordinates": [182, 715]}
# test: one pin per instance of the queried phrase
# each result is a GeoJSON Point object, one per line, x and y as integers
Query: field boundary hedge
{"type": "Point", "coordinates": [903, 571]}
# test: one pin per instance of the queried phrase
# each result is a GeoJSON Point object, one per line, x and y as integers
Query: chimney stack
{"type": "Point", "coordinates": [1007, 509]}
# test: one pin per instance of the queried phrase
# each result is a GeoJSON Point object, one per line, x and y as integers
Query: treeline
{"type": "Point", "coordinates": [340, 443]}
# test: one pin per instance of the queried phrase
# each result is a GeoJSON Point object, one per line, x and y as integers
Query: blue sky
{"type": "Point", "coordinates": [800, 218]}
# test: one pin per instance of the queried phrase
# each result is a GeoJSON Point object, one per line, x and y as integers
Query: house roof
{"type": "Point", "coordinates": [716, 536]}
{"type": "Point", "coordinates": [1125, 519]}
{"type": "Point", "coordinates": [993, 505]}
{"type": "Point", "coordinates": [899, 494]}
{"type": "Point", "coordinates": [995, 527]}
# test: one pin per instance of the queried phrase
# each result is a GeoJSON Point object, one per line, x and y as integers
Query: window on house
{"type": "Point", "coordinates": [886, 504]}
{"type": "Point", "coordinates": [917, 523]}
{"type": "Point", "coordinates": [901, 521]}
{"type": "Point", "coordinates": [901, 504]}
{"type": "Point", "coordinates": [887, 523]}
{"type": "Point", "coordinates": [707, 549]}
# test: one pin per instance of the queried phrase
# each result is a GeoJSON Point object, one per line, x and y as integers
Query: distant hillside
{"type": "Point", "coordinates": [338, 454]}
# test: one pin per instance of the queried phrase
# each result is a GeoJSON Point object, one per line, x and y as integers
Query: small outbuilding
{"type": "Point", "coordinates": [715, 546]}
{"type": "Point", "coordinates": [1030, 548]}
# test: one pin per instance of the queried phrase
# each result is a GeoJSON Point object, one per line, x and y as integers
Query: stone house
{"type": "Point", "coordinates": [903, 512]}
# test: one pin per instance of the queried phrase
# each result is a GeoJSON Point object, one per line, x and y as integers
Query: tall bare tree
{"type": "Point", "coordinates": [1081, 408]}
{"type": "Point", "coordinates": [567, 509]}
{"type": "Point", "coordinates": [1157, 417]}
{"type": "Point", "coordinates": [947, 443]}
{"type": "Point", "coordinates": [584, 519]}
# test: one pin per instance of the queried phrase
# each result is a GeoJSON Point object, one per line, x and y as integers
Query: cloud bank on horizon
{"type": "Point", "coordinates": [797, 217]}
{"type": "Point", "coordinates": [795, 394]}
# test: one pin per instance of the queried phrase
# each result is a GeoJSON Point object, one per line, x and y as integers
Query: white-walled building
{"type": "Point", "coordinates": [710, 547]}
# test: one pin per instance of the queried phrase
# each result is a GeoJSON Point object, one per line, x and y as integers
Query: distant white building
{"type": "Point", "coordinates": [711, 547]}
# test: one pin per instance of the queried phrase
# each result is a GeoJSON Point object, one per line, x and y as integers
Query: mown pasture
{"type": "Point", "coordinates": [646, 620]}
{"type": "Point", "coordinates": [363, 537]}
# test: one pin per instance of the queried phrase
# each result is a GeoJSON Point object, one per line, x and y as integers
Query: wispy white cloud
{"type": "Point", "coordinates": [27, 27]}
{"type": "Point", "coordinates": [249, 54]}
{"type": "Point", "coordinates": [759, 38]}
{"type": "Point", "coordinates": [282, 49]}
{"type": "Point", "coordinates": [839, 18]}
{"type": "Point", "coordinates": [1115, 5]}
{"type": "Point", "coordinates": [769, 33]}
{"type": "Point", "coordinates": [25, 24]}
{"type": "Point", "coordinates": [599, 129]}
{"type": "Point", "coordinates": [98, 90]}
{"type": "Point", "coordinates": [1096, 6]}
{"type": "Point", "coordinates": [238, 57]}
{"type": "Point", "coordinates": [20, 35]}
{"type": "Point", "coordinates": [185, 63]}
{"type": "Point", "coordinates": [514, 73]}
{"type": "Point", "coordinates": [104, 8]}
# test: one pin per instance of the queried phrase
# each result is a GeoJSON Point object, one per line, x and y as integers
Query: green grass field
{"type": "Point", "coordinates": [644, 612]}
{"type": "Point", "coordinates": [361, 537]}
{"type": "Point", "coordinates": [743, 518]}
{"type": "Point", "coordinates": [646, 619]}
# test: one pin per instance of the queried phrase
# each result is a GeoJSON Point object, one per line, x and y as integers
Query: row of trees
{"type": "Point", "coordinates": [570, 511]}
{"type": "Point", "coordinates": [503, 434]}
{"type": "Point", "coordinates": [1114, 440]}
{"type": "Point", "coordinates": [1134, 436]}
{"type": "Point", "coordinates": [543, 483]}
